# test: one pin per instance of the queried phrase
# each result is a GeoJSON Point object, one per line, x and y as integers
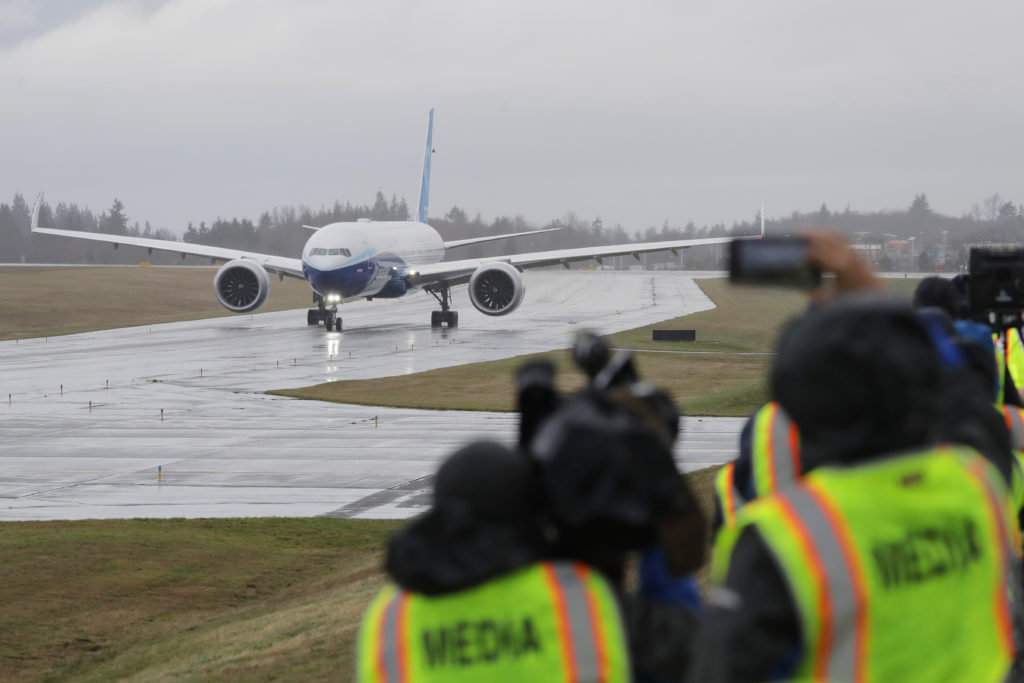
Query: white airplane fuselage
{"type": "Point", "coordinates": [344, 261]}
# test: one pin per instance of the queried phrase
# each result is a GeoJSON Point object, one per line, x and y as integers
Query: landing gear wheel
{"type": "Point", "coordinates": [328, 321]}
{"type": "Point", "coordinates": [446, 316]}
{"type": "Point", "coordinates": [313, 317]}
{"type": "Point", "coordinates": [337, 325]}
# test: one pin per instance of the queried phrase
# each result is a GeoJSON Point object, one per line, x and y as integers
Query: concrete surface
{"type": "Point", "coordinates": [225, 449]}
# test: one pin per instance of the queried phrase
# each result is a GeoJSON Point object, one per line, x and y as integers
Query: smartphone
{"type": "Point", "coordinates": [772, 261]}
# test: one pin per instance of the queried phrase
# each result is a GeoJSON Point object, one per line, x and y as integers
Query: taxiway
{"type": "Point", "coordinates": [179, 427]}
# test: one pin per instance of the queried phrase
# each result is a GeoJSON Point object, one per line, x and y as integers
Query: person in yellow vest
{"type": "Point", "coordinates": [769, 458]}
{"type": "Point", "coordinates": [475, 600]}
{"type": "Point", "coordinates": [1013, 356]}
{"type": "Point", "coordinates": [890, 563]}
{"type": "Point", "coordinates": [612, 493]}
{"type": "Point", "coordinates": [944, 294]}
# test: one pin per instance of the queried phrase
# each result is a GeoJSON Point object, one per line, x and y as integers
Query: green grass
{"type": "Point", "coordinates": [210, 599]}
{"type": "Point", "coordinates": [46, 302]}
{"type": "Point", "coordinates": [253, 599]}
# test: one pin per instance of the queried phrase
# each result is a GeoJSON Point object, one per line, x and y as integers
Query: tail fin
{"type": "Point", "coordinates": [424, 202]}
{"type": "Point", "coordinates": [35, 211]}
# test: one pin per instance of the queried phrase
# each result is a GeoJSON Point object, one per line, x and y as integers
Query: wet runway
{"type": "Point", "coordinates": [224, 449]}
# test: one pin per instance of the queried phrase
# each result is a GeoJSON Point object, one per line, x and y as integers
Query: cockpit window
{"type": "Point", "coordinates": [320, 251]}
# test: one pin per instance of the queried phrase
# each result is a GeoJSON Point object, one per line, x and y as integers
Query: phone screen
{"type": "Point", "coordinates": [773, 260]}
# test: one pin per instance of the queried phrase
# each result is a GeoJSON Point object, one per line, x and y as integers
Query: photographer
{"type": "Point", "coordinates": [813, 584]}
{"type": "Point", "coordinates": [612, 491]}
{"type": "Point", "coordinates": [819, 580]}
{"type": "Point", "coordinates": [477, 597]}
{"type": "Point", "coordinates": [943, 294]}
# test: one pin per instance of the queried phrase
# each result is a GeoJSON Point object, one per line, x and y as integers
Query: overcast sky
{"type": "Point", "coordinates": [637, 112]}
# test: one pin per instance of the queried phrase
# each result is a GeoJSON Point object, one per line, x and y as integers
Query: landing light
{"type": "Point", "coordinates": [333, 298]}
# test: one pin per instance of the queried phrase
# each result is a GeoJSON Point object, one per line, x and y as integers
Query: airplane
{"type": "Point", "coordinates": [379, 259]}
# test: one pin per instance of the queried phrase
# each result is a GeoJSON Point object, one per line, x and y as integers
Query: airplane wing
{"type": "Point", "coordinates": [477, 240]}
{"type": "Point", "coordinates": [458, 272]}
{"type": "Point", "coordinates": [280, 265]}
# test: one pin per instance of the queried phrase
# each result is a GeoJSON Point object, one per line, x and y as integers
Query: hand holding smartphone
{"type": "Point", "coordinates": [772, 261]}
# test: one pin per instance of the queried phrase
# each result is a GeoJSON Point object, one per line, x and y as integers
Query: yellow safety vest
{"type": "Point", "coordinates": [775, 458]}
{"type": "Point", "coordinates": [774, 461]}
{"type": "Point", "coordinates": [898, 569]}
{"type": "Point", "coordinates": [552, 621]}
{"type": "Point", "coordinates": [1014, 352]}
{"type": "Point", "coordinates": [1014, 418]}
{"type": "Point", "coordinates": [728, 497]}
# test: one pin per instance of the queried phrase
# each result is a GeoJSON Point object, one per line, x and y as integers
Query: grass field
{"type": "Point", "coordinates": [248, 599]}
{"type": "Point", "coordinates": [224, 599]}
{"type": "Point", "coordinates": [46, 302]}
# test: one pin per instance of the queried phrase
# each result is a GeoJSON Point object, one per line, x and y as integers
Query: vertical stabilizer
{"type": "Point", "coordinates": [421, 214]}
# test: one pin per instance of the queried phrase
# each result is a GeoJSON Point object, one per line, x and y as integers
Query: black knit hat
{"type": "Point", "coordinates": [860, 376]}
{"type": "Point", "coordinates": [483, 523]}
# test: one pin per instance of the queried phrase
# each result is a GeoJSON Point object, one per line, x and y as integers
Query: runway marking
{"type": "Point", "coordinates": [422, 486]}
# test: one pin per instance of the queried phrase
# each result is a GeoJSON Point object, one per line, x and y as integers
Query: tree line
{"type": "Point", "coordinates": [915, 238]}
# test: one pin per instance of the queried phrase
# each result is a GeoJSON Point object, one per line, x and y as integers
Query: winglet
{"type": "Point", "coordinates": [35, 211]}
{"type": "Point", "coordinates": [421, 214]}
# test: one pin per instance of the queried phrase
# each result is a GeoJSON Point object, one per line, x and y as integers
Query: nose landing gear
{"type": "Point", "coordinates": [328, 316]}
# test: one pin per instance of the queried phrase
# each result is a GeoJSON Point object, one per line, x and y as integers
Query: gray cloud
{"type": "Point", "coordinates": [189, 109]}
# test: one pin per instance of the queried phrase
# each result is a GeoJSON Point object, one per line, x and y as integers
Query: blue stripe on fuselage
{"type": "Point", "coordinates": [370, 277]}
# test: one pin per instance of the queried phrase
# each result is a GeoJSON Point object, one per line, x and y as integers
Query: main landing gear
{"type": "Point", "coordinates": [445, 316]}
{"type": "Point", "coordinates": [321, 314]}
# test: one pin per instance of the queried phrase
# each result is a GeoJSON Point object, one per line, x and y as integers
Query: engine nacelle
{"type": "Point", "coordinates": [241, 286]}
{"type": "Point", "coordinates": [496, 288]}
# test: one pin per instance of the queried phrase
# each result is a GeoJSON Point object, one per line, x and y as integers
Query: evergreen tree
{"type": "Point", "coordinates": [115, 221]}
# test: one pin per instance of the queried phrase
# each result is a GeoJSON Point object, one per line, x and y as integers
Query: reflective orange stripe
{"type": "Point", "coordinates": [856, 572]}
{"type": "Point", "coordinates": [810, 552]}
{"type": "Point", "coordinates": [382, 669]}
{"type": "Point", "coordinates": [596, 622]}
{"type": "Point", "coordinates": [730, 500]}
{"type": "Point", "coordinates": [771, 446]}
{"type": "Point", "coordinates": [562, 620]}
{"type": "Point", "coordinates": [977, 468]}
{"type": "Point", "coordinates": [794, 448]}
{"type": "Point", "coordinates": [402, 626]}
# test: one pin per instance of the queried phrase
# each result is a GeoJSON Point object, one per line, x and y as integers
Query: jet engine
{"type": "Point", "coordinates": [496, 288]}
{"type": "Point", "coordinates": [241, 286]}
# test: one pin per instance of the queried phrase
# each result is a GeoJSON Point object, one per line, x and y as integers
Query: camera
{"type": "Point", "coordinates": [995, 284]}
{"type": "Point", "coordinates": [604, 459]}
{"type": "Point", "coordinates": [772, 260]}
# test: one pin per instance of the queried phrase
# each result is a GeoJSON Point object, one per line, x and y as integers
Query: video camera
{"type": "Point", "coordinates": [993, 290]}
{"type": "Point", "coordinates": [604, 459]}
